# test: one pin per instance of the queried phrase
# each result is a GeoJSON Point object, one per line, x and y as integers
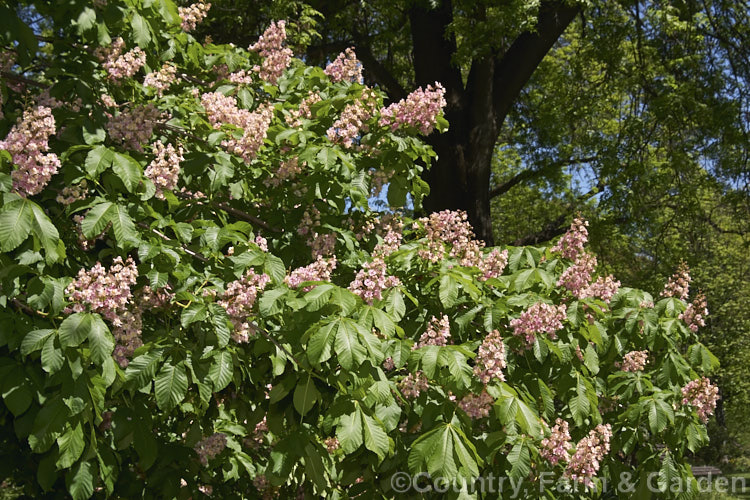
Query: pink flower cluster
{"type": "Point", "coordinates": [372, 279]}
{"type": "Point", "coordinates": [585, 462]}
{"type": "Point", "coordinates": [106, 292]}
{"type": "Point", "coordinates": [353, 120]}
{"type": "Point", "coordinates": [193, 14]}
{"type": "Point", "coordinates": [477, 406]}
{"type": "Point", "coordinates": [695, 314]}
{"type": "Point", "coordinates": [679, 284]}
{"type": "Point", "coordinates": [634, 361]}
{"type": "Point", "coordinates": [491, 359]}
{"type": "Point", "coordinates": [332, 444]}
{"type": "Point", "coordinates": [223, 110]}
{"type": "Point", "coordinates": [27, 142]}
{"type": "Point", "coordinates": [164, 170]}
{"type": "Point", "coordinates": [447, 227]}
{"type": "Point", "coordinates": [493, 264]}
{"type": "Point", "coordinates": [391, 241]}
{"type": "Point", "coordinates": [120, 65]}
{"type": "Point", "coordinates": [413, 384]}
{"type": "Point", "coordinates": [133, 127]}
{"type": "Point", "coordinates": [271, 47]}
{"type": "Point", "coordinates": [539, 318]}
{"type": "Point", "coordinates": [294, 119]}
{"type": "Point", "coordinates": [419, 110]}
{"type": "Point", "coordinates": [161, 80]}
{"type": "Point", "coordinates": [572, 242]}
{"type": "Point", "coordinates": [345, 67]}
{"type": "Point", "coordinates": [71, 194]}
{"type": "Point", "coordinates": [241, 77]}
{"type": "Point", "coordinates": [208, 447]}
{"type": "Point", "coordinates": [701, 395]}
{"type": "Point", "coordinates": [239, 299]}
{"type": "Point", "coordinates": [438, 333]}
{"type": "Point", "coordinates": [320, 270]}
{"type": "Point", "coordinates": [556, 447]}
{"type": "Point", "coordinates": [289, 169]}
{"type": "Point", "coordinates": [577, 279]}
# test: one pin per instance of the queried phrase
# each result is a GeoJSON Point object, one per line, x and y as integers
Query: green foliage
{"type": "Point", "coordinates": [302, 363]}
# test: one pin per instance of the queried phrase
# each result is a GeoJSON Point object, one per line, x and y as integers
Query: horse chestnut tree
{"type": "Point", "coordinates": [198, 298]}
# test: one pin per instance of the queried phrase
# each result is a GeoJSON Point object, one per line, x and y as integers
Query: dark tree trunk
{"type": "Point", "coordinates": [460, 177]}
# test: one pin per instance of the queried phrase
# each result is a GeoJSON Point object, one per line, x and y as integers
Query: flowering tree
{"type": "Point", "coordinates": [198, 298]}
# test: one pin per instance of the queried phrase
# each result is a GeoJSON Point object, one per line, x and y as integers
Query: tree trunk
{"type": "Point", "coordinates": [460, 177]}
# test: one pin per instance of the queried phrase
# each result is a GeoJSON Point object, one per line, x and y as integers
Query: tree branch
{"type": "Point", "coordinates": [246, 216]}
{"type": "Point", "coordinates": [378, 71]}
{"type": "Point", "coordinates": [167, 238]}
{"type": "Point", "coordinates": [516, 66]}
{"type": "Point", "coordinates": [533, 173]}
{"type": "Point", "coordinates": [17, 78]}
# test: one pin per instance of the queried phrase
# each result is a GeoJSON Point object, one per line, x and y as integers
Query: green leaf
{"type": "Point", "coordinates": [34, 340]}
{"type": "Point", "coordinates": [520, 461]}
{"type": "Point", "coordinates": [319, 345]}
{"type": "Point", "coordinates": [48, 424]}
{"type": "Point", "coordinates": [52, 357]}
{"type": "Point", "coordinates": [348, 347]}
{"type": "Point", "coordinates": [375, 437]}
{"type": "Point", "coordinates": [194, 312]}
{"type": "Point", "coordinates": [80, 481]}
{"type": "Point", "coordinates": [141, 31]}
{"type": "Point", "coordinates": [101, 341]}
{"type": "Point", "coordinates": [668, 474]}
{"type": "Point", "coordinates": [143, 368]}
{"type": "Point", "coordinates": [448, 290]}
{"type": "Point", "coordinates": [96, 220]}
{"type": "Point", "coordinates": [47, 233]}
{"type": "Point", "coordinates": [220, 372]}
{"type": "Point", "coordinates": [170, 386]}
{"type": "Point", "coordinates": [349, 432]}
{"type": "Point", "coordinates": [220, 320]}
{"type": "Point", "coordinates": [305, 396]}
{"type": "Point", "coordinates": [128, 170]}
{"type": "Point", "coordinates": [74, 329]}
{"type": "Point", "coordinates": [123, 226]}
{"type": "Point", "coordinates": [579, 403]}
{"type": "Point", "coordinates": [98, 160]}
{"type": "Point", "coordinates": [70, 444]}
{"type": "Point", "coordinates": [15, 223]}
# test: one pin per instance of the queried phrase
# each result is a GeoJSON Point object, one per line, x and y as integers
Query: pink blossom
{"type": "Point", "coordinates": [257, 438]}
{"type": "Point", "coordinates": [345, 67]}
{"type": "Point", "coordinates": [695, 313]}
{"type": "Point", "coordinates": [119, 65]}
{"type": "Point", "coordinates": [332, 444]}
{"type": "Point", "coordinates": [634, 361]}
{"type": "Point", "coordinates": [353, 120]}
{"type": "Point", "coordinates": [477, 406]}
{"type": "Point", "coordinates": [276, 57]}
{"type": "Point", "coordinates": [192, 15]}
{"type": "Point", "coordinates": [577, 277]}
{"type": "Point", "coordinates": [27, 142]}
{"type": "Point", "coordinates": [208, 447]}
{"type": "Point", "coordinates": [493, 264]}
{"type": "Point", "coordinates": [679, 284]}
{"type": "Point", "coordinates": [701, 395]}
{"type": "Point", "coordinates": [413, 384]}
{"type": "Point", "coordinates": [539, 318]}
{"type": "Point", "coordinates": [239, 299]}
{"type": "Point", "coordinates": [585, 462]}
{"type": "Point", "coordinates": [603, 288]}
{"type": "Point", "coordinates": [288, 169]}
{"type": "Point", "coordinates": [133, 127]}
{"type": "Point", "coordinates": [294, 119]}
{"type": "Point", "coordinates": [164, 170]}
{"type": "Point", "coordinates": [419, 110]}
{"type": "Point", "coordinates": [241, 77]}
{"type": "Point", "coordinates": [320, 270]}
{"type": "Point", "coordinates": [262, 243]}
{"type": "Point", "coordinates": [438, 333]}
{"type": "Point", "coordinates": [223, 110]}
{"type": "Point", "coordinates": [372, 279]}
{"type": "Point", "coordinates": [572, 242]}
{"type": "Point", "coordinates": [490, 360]}
{"type": "Point", "coordinates": [391, 242]}
{"type": "Point", "coordinates": [556, 447]}
{"type": "Point", "coordinates": [161, 80]}
{"type": "Point", "coordinates": [71, 194]}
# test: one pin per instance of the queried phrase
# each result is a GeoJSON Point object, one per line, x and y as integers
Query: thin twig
{"type": "Point", "coordinates": [167, 238]}
{"type": "Point", "coordinates": [20, 79]}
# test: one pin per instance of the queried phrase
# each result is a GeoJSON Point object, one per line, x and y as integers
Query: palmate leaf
{"type": "Point", "coordinates": [221, 370]}
{"type": "Point", "coordinates": [446, 452]}
{"type": "Point", "coordinates": [305, 395]}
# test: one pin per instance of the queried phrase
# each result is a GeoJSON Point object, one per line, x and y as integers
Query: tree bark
{"type": "Point", "coordinates": [460, 177]}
